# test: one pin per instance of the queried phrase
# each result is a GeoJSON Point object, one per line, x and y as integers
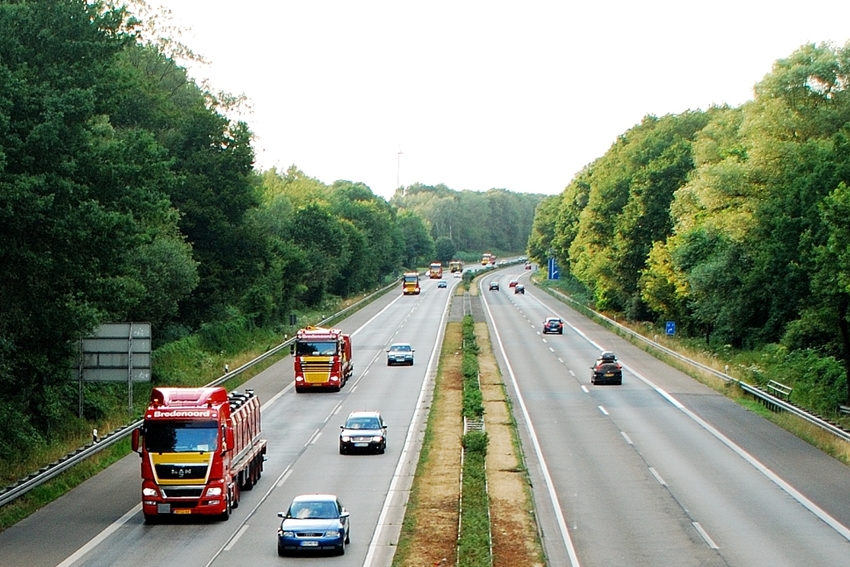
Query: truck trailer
{"type": "Point", "coordinates": [200, 447]}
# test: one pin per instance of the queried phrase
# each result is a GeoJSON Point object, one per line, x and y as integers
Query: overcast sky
{"type": "Point", "coordinates": [482, 94]}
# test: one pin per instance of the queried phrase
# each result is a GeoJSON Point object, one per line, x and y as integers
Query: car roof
{"type": "Point", "coordinates": [370, 413]}
{"type": "Point", "coordinates": [315, 498]}
{"type": "Point", "coordinates": [553, 319]}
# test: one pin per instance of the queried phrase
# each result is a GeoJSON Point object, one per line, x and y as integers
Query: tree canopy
{"type": "Point", "coordinates": [731, 221]}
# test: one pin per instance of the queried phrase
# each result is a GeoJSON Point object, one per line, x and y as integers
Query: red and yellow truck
{"type": "Point", "coordinates": [455, 266]}
{"type": "Point", "coordinates": [200, 448]}
{"type": "Point", "coordinates": [410, 283]}
{"type": "Point", "coordinates": [322, 359]}
{"type": "Point", "coordinates": [435, 271]}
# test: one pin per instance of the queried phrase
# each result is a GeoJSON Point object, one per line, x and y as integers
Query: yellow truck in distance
{"type": "Point", "coordinates": [410, 283]}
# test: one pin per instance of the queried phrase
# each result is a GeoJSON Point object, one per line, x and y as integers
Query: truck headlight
{"type": "Point", "coordinates": [149, 492]}
{"type": "Point", "coordinates": [214, 491]}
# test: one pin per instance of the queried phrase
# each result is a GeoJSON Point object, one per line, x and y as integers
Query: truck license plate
{"type": "Point", "coordinates": [182, 511]}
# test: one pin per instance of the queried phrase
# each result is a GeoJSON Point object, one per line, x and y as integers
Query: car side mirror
{"type": "Point", "coordinates": [281, 515]}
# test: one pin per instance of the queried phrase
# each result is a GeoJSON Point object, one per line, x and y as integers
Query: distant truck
{"type": "Point", "coordinates": [435, 270]}
{"type": "Point", "coordinates": [410, 283]}
{"type": "Point", "coordinates": [322, 359]}
{"type": "Point", "coordinates": [455, 266]}
{"type": "Point", "coordinates": [200, 448]}
{"type": "Point", "coordinates": [488, 259]}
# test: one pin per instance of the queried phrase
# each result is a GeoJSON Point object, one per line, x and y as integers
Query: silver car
{"type": "Point", "coordinates": [400, 353]}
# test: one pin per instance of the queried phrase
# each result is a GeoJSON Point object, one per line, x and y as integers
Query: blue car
{"type": "Point", "coordinates": [314, 522]}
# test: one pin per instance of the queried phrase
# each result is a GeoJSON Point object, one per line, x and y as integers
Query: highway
{"type": "Point", "coordinates": [100, 523]}
{"type": "Point", "coordinates": [659, 471]}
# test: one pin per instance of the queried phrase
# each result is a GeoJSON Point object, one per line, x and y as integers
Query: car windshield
{"type": "Point", "coordinates": [363, 423]}
{"type": "Point", "coordinates": [181, 436]}
{"type": "Point", "coordinates": [400, 348]}
{"type": "Point", "coordinates": [322, 510]}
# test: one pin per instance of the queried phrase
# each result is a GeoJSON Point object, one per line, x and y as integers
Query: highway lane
{"type": "Point", "coordinates": [661, 470]}
{"type": "Point", "coordinates": [302, 430]}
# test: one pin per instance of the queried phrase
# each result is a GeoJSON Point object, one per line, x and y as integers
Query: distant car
{"type": "Point", "coordinates": [313, 522]}
{"type": "Point", "coordinates": [400, 353]}
{"type": "Point", "coordinates": [606, 370]}
{"type": "Point", "coordinates": [527, 266]}
{"type": "Point", "coordinates": [519, 288]}
{"type": "Point", "coordinates": [494, 286]}
{"type": "Point", "coordinates": [553, 325]}
{"type": "Point", "coordinates": [442, 283]}
{"type": "Point", "coordinates": [513, 283]}
{"type": "Point", "coordinates": [363, 430]}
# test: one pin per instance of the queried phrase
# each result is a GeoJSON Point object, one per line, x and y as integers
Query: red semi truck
{"type": "Point", "coordinates": [322, 359]}
{"type": "Point", "coordinates": [200, 447]}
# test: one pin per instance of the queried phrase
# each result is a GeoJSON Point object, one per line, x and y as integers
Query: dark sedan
{"type": "Point", "coordinates": [553, 325]}
{"type": "Point", "coordinates": [363, 431]}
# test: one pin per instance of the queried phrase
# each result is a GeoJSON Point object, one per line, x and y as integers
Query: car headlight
{"type": "Point", "coordinates": [214, 491]}
{"type": "Point", "coordinates": [377, 438]}
{"type": "Point", "coordinates": [332, 533]}
{"type": "Point", "coordinates": [345, 438]}
{"type": "Point", "coordinates": [288, 533]}
{"type": "Point", "coordinates": [149, 492]}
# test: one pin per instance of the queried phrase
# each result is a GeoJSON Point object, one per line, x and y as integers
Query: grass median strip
{"type": "Point", "coordinates": [498, 526]}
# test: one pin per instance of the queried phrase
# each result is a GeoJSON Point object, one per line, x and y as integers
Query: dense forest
{"type": "Point", "coordinates": [470, 221]}
{"type": "Point", "coordinates": [128, 194]}
{"type": "Point", "coordinates": [733, 222]}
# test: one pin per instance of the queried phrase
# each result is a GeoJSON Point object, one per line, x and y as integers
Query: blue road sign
{"type": "Point", "coordinates": [554, 273]}
{"type": "Point", "coordinates": [671, 327]}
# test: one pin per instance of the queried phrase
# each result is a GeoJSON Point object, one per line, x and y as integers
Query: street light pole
{"type": "Point", "coordinates": [398, 169]}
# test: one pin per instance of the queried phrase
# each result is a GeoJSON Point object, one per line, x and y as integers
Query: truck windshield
{"type": "Point", "coordinates": [411, 279]}
{"type": "Point", "coordinates": [307, 348]}
{"type": "Point", "coordinates": [181, 436]}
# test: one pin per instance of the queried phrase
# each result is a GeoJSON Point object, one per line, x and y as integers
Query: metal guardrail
{"type": "Point", "coordinates": [755, 391]}
{"type": "Point", "coordinates": [46, 473]}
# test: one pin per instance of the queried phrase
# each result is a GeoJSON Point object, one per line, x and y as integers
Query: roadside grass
{"type": "Point", "coordinates": [733, 364]}
{"type": "Point", "coordinates": [39, 496]}
{"type": "Point", "coordinates": [429, 529]}
{"type": "Point", "coordinates": [188, 362]}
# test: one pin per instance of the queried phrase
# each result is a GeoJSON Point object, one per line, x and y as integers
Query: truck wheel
{"type": "Point", "coordinates": [224, 516]}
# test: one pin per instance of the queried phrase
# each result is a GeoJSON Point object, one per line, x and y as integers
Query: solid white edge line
{"type": "Point", "coordinates": [776, 479]}
{"type": "Point", "coordinates": [553, 496]}
{"type": "Point", "coordinates": [415, 422]}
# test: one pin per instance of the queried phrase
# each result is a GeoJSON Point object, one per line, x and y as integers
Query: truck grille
{"type": "Point", "coordinates": [190, 492]}
{"type": "Point", "coordinates": [317, 371]}
{"type": "Point", "coordinates": [182, 471]}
